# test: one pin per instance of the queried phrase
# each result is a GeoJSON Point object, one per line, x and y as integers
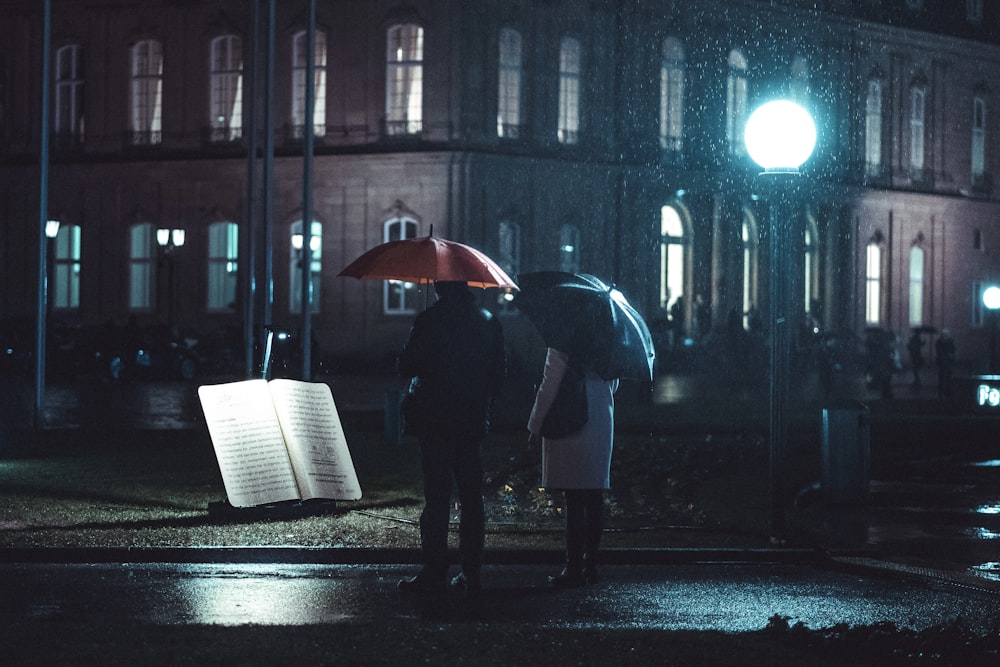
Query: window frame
{"type": "Point", "coordinates": [737, 95]}
{"type": "Point", "coordinates": [69, 94]}
{"type": "Point", "coordinates": [873, 128]}
{"type": "Point", "coordinates": [222, 266]}
{"type": "Point", "coordinates": [404, 79]}
{"type": "Point", "coordinates": [570, 77]}
{"type": "Point", "coordinates": [299, 67]}
{"type": "Point", "coordinates": [510, 82]}
{"type": "Point", "coordinates": [146, 92]}
{"type": "Point", "coordinates": [918, 131]}
{"type": "Point", "coordinates": [672, 83]}
{"type": "Point", "coordinates": [398, 228]}
{"type": "Point", "coordinates": [142, 267]}
{"type": "Point", "coordinates": [873, 283]}
{"type": "Point", "coordinates": [978, 157]}
{"type": "Point", "coordinates": [225, 88]}
{"type": "Point", "coordinates": [67, 267]}
{"type": "Point", "coordinates": [295, 266]}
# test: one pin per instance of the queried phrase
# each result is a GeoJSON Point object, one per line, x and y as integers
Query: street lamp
{"type": "Point", "coordinates": [168, 240]}
{"type": "Point", "coordinates": [51, 232]}
{"type": "Point", "coordinates": [780, 137]}
{"type": "Point", "coordinates": [991, 299]}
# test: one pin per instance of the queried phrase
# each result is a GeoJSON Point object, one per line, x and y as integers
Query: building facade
{"type": "Point", "coordinates": [602, 136]}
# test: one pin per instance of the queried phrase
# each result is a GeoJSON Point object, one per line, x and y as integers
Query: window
{"type": "Point", "coordinates": [399, 297]}
{"type": "Point", "coordinates": [509, 85]}
{"type": "Point", "coordinates": [873, 284]}
{"type": "Point", "coordinates": [299, 65]}
{"type": "Point", "coordinates": [147, 93]}
{"type": "Point", "coordinates": [223, 253]}
{"type": "Point", "coordinates": [296, 253]}
{"type": "Point", "coordinates": [873, 129]}
{"type": "Point", "coordinates": [66, 284]}
{"type": "Point", "coordinates": [509, 255]}
{"type": "Point", "coordinates": [672, 95]}
{"type": "Point", "coordinates": [569, 91]}
{"type": "Point", "coordinates": [798, 85]}
{"type": "Point", "coordinates": [974, 10]}
{"type": "Point", "coordinates": [916, 286]}
{"type": "Point", "coordinates": [404, 86]}
{"type": "Point", "coordinates": [917, 133]}
{"type": "Point", "coordinates": [748, 234]}
{"type": "Point", "coordinates": [569, 248]}
{"type": "Point", "coordinates": [226, 88]}
{"type": "Point", "coordinates": [978, 138]}
{"type": "Point", "coordinates": [810, 267]}
{"type": "Point", "coordinates": [671, 257]}
{"type": "Point", "coordinates": [69, 95]}
{"type": "Point", "coordinates": [142, 267]}
{"type": "Point", "coordinates": [736, 102]}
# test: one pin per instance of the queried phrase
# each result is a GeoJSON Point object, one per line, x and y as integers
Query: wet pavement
{"type": "Point", "coordinates": [727, 597]}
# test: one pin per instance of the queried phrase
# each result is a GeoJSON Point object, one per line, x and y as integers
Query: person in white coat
{"type": "Point", "coordinates": [579, 465]}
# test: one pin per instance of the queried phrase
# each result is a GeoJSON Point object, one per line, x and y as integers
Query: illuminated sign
{"type": "Point", "coordinates": [988, 396]}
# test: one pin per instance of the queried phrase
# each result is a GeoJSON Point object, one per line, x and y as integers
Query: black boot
{"type": "Point", "coordinates": [592, 534]}
{"type": "Point", "coordinates": [572, 574]}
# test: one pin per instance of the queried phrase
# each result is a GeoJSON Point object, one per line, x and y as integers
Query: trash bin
{"type": "Point", "coordinates": [846, 453]}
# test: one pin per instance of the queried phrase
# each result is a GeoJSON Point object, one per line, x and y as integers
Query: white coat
{"type": "Point", "coordinates": [581, 460]}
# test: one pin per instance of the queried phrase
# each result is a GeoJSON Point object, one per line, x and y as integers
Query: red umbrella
{"type": "Point", "coordinates": [427, 259]}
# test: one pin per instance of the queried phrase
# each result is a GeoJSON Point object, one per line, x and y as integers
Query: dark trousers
{"type": "Point", "coordinates": [445, 461]}
{"type": "Point", "coordinates": [584, 525]}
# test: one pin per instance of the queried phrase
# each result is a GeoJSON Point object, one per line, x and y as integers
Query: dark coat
{"type": "Point", "coordinates": [456, 359]}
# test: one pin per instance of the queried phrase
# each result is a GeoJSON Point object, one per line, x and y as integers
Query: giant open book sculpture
{"type": "Point", "coordinates": [277, 441]}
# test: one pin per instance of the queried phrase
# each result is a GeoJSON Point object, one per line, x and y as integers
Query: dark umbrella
{"type": "Point", "coordinates": [586, 318]}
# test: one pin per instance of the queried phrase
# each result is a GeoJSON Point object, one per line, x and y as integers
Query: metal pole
{"type": "Point", "coordinates": [307, 167]}
{"type": "Point", "coordinates": [43, 214]}
{"type": "Point", "coordinates": [268, 179]}
{"type": "Point", "coordinates": [248, 244]}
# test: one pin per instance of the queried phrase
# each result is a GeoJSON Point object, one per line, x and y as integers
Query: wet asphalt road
{"type": "Point", "coordinates": [711, 596]}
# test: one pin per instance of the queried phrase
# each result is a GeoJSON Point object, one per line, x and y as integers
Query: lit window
{"type": "Point", "coordinates": [672, 95]}
{"type": "Point", "coordinates": [569, 91]}
{"type": "Point", "coordinates": [147, 92]}
{"type": "Point", "coordinates": [978, 138]}
{"type": "Point", "coordinates": [404, 85]}
{"type": "Point", "coordinates": [226, 88]}
{"type": "Point", "coordinates": [810, 266]}
{"type": "Point", "coordinates": [671, 257]}
{"type": "Point", "coordinates": [569, 248]}
{"type": "Point", "coordinates": [297, 252]}
{"type": "Point", "coordinates": [917, 132]}
{"type": "Point", "coordinates": [748, 234]}
{"type": "Point", "coordinates": [509, 86]}
{"type": "Point", "coordinates": [299, 65]}
{"type": "Point", "coordinates": [736, 102]}
{"type": "Point", "coordinates": [399, 297]}
{"type": "Point", "coordinates": [873, 128]}
{"type": "Point", "coordinates": [916, 286]}
{"type": "Point", "coordinates": [66, 283]}
{"type": "Point", "coordinates": [142, 266]}
{"type": "Point", "coordinates": [69, 95]}
{"type": "Point", "coordinates": [223, 253]}
{"type": "Point", "coordinates": [873, 284]}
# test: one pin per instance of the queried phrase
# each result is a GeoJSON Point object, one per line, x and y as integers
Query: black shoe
{"type": "Point", "coordinates": [466, 583]}
{"type": "Point", "coordinates": [421, 585]}
{"type": "Point", "coordinates": [567, 579]}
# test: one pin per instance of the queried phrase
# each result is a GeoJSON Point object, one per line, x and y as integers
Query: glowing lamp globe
{"type": "Point", "coordinates": [991, 297]}
{"type": "Point", "coordinates": [780, 136]}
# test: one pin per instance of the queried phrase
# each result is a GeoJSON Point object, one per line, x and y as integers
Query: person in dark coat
{"type": "Point", "coordinates": [944, 357]}
{"type": "Point", "coordinates": [456, 361]}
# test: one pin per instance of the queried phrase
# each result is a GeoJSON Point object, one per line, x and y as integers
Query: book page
{"type": "Point", "coordinates": [248, 443]}
{"type": "Point", "coordinates": [315, 440]}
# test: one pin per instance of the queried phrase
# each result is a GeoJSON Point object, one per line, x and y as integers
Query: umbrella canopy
{"type": "Point", "coordinates": [584, 317]}
{"type": "Point", "coordinates": [428, 259]}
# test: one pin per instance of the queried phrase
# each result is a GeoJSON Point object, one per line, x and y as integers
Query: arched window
{"type": "Point", "coordinates": [66, 283]}
{"type": "Point", "coordinates": [142, 266]}
{"type": "Point", "coordinates": [672, 95]}
{"type": "Point", "coordinates": [569, 248]}
{"type": "Point", "coordinates": [147, 92]}
{"type": "Point", "coordinates": [570, 70]}
{"type": "Point", "coordinates": [873, 283]}
{"type": "Point", "coordinates": [299, 65]}
{"type": "Point", "coordinates": [978, 138]}
{"type": "Point", "coordinates": [404, 85]}
{"type": "Point", "coordinates": [736, 102]}
{"type": "Point", "coordinates": [751, 246]}
{"type": "Point", "coordinates": [296, 254]}
{"type": "Point", "coordinates": [399, 297]}
{"type": "Point", "coordinates": [223, 253]}
{"type": "Point", "coordinates": [509, 85]}
{"type": "Point", "coordinates": [916, 286]}
{"type": "Point", "coordinates": [671, 257]}
{"type": "Point", "coordinates": [917, 110]}
{"type": "Point", "coordinates": [69, 95]}
{"type": "Point", "coordinates": [226, 88]}
{"type": "Point", "coordinates": [873, 128]}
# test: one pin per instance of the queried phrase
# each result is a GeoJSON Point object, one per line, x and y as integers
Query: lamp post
{"type": "Point", "coordinates": [51, 232]}
{"type": "Point", "coordinates": [780, 136]}
{"type": "Point", "coordinates": [991, 299]}
{"type": "Point", "coordinates": [169, 240]}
